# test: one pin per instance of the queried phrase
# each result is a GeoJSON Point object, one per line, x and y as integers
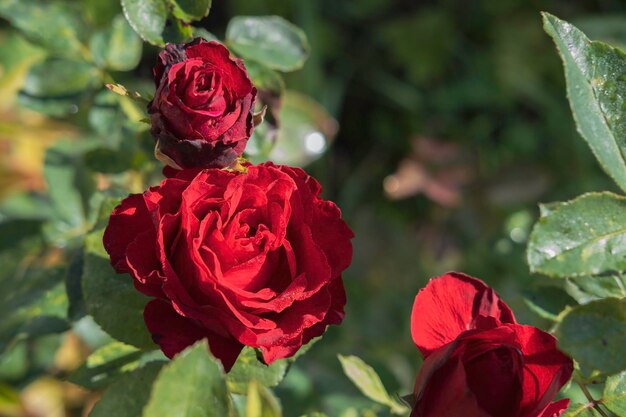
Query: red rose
{"type": "Point", "coordinates": [478, 362]}
{"type": "Point", "coordinates": [202, 111]}
{"type": "Point", "coordinates": [239, 258]}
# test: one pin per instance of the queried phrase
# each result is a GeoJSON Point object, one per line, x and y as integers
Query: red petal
{"type": "Point", "coordinates": [173, 333]}
{"type": "Point", "coordinates": [129, 219]}
{"type": "Point", "coordinates": [441, 389]}
{"type": "Point", "coordinates": [451, 304]}
{"type": "Point", "coordinates": [546, 369]}
{"type": "Point", "coordinates": [556, 408]}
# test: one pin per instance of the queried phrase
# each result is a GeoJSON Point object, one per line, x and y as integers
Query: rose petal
{"type": "Point", "coordinates": [556, 408]}
{"type": "Point", "coordinates": [129, 219]}
{"type": "Point", "coordinates": [546, 369]}
{"type": "Point", "coordinates": [449, 305]}
{"type": "Point", "coordinates": [173, 333]}
{"type": "Point", "coordinates": [446, 393]}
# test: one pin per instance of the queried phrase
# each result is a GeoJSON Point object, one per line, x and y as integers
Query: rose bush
{"type": "Point", "coordinates": [239, 258]}
{"type": "Point", "coordinates": [202, 111]}
{"type": "Point", "coordinates": [478, 362]}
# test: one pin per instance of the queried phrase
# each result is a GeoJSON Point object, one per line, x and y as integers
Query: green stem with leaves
{"type": "Point", "coordinates": [590, 398]}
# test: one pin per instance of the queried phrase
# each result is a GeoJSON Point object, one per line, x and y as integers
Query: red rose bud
{"type": "Point", "coordinates": [202, 111]}
{"type": "Point", "coordinates": [478, 362]}
{"type": "Point", "coordinates": [239, 258]}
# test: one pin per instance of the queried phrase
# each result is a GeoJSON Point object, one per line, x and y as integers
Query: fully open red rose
{"type": "Point", "coordinates": [202, 111]}
{"type": "Point", "coordinates": [478, 362]}
{"type": "Point", "coordinates": [239, 258]}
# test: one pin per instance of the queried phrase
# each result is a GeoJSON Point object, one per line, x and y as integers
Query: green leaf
{"type": "Point", "coordinates": [177, 31]}
{"type": "Point", "coordinates": [595, 84]}
{"type": "Point", "coordinates": [32, 296]}
{"type": "Point", "coordinates": [368, 382]}
{"type": "Point", "coordinates": [614, 397]}
{"type": "Point", "coordinates": [192, 385]}
{"type": "Point", "coordinates": [582, 410]}
{"type": "Point", "coordinates": [189, 10]}
{"type": "Point", "coordinates": [548, 301]}
{"type": "Point", "coordinates": [109, 161]}
{"type": "Point", "coordinates": [69, 188]}
{"type": "Point", "coordinates": [594, 335]}
{"type": "Point", "coordinates": [100, 13]}
{"type": "Point", "coordinates": [73, 287]}
{"type": "Point", "coordinates": [118, 47]}
{"type": "Point", "coordinates": [260, 402]}
{"type": "Point", "coordinates": [204, 34]}
{"type": "Point", "coordinates": [57, 85]}
{"type": "Point", "coordinates": [111, 298]}
{"type": "Point", "coordinates": [269, 40]}
{"type": "Point", "coordinates": [586, 289]}
{"type": "Point", "coordinates": [105, 364]}
{"type": "Point", "coordinates": [265, 78]}
{"type": "Point", "coordinates": [60, 77]}
{"type": "Point", "coordinates": [129, 394]}
{"type": "Point", "coordinates": [585, 236]}
{"type": "Point", "coordinates": [248, 368]}
{"type": "Point", "coordinates": [306, 130]}
{"type": "Point", "coordinates": [147, 18]}
{"type": "Point", "coordinates": [57, 26]}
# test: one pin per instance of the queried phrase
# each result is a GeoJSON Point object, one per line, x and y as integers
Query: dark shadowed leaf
{"type": "Point", "coordinates": [130, 393]}
{"type": "Point", "coordinates": [32, 297]}
{"type": "Point", "coordinates": [548, 301]}
{"type": "Point", "coordinates": [594, 334]}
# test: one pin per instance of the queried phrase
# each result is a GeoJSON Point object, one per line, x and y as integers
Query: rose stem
{"type": "Point", "coordinates": [596, 405]}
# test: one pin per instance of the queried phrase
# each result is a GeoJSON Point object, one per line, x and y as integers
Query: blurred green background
{"type": "Point", "coordinates": [454, 124]}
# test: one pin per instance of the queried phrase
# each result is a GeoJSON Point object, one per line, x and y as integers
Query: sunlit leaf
{"type": "Point", "coordinates": [368, 382]}
{"type": "Point", "coordinates": [585, 236]}
{"type": "Point", "coordinates": [260, 402]}
{"type": "Point", "coordinates": [147, 18]}
{"type": "Point", "coordinates": [595, 85]}
{"type": "Point", "coordinates": [614, 397]}
{"type": "Point", "coordinates": [192, 385]}
{"type": "Point", "coordinates": [248, 368]}
{"type": "Point", "coordinates": [582, 410]}
{"type": "Point", "coordinates": [189, 10]}
{"type": "Point", "coordinates": [270, 40]}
